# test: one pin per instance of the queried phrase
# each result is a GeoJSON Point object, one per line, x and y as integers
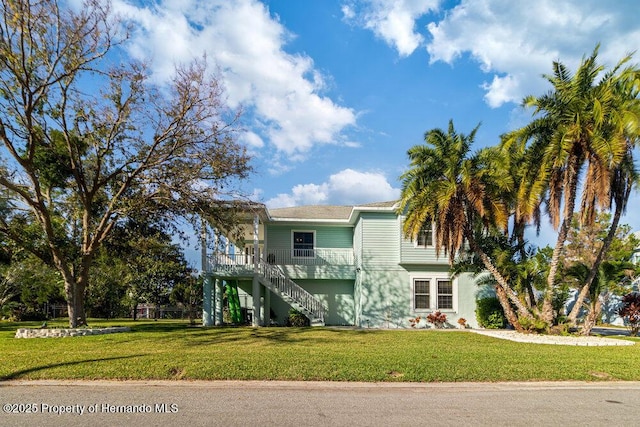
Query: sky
{"type": "Point", "coordinates": [334, 92]}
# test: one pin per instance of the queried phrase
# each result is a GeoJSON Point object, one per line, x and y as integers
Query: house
{"type": "Point", "coordinates": [338, 265]}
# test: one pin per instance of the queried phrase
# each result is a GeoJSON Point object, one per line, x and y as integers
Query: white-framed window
{"type": "Point", "coordinates": [425, 235]}
{"type": "Point", "coordinates": [303, 243]}
{"type": "Point", "coordinates": [445, 294]}
{"type": "Point", "coordinates": [421, 294]}
{"type": "Point", "coordinates": [430, 292]}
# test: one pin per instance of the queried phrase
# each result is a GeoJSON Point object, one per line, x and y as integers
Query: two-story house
{"type": "Point", "coordinates": [339, 265]}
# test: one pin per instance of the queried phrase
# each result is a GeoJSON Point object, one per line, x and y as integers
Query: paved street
{"type": "Point", "coordinates": [233, 403]}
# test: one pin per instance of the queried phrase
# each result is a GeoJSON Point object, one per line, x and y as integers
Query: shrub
{"type": "Point", "coordinates": [297, 319]}
{"type": "Point", "coordinates": [489, 313]}
{"type": "Point", "coordinates": [629, 310]}
{"type": "Point", "coordinates": [533, 325]}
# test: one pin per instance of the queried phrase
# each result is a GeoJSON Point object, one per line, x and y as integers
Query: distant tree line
{"type": "Point", "coordinates": [138, 264]}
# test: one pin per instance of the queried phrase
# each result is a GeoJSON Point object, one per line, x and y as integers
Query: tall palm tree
{"type": "Point", "coordinates": [622, 182]}
{"type": "Point", "coordinates": [448, 185]}
{"type": "Point", "coordinates": [581, 131]}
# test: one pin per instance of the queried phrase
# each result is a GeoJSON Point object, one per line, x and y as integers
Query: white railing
{"type": "Point", "coordinates": [285, 286]}
{"type": "Point", "coordinates": [275, 278]}
{"type": "Point", "coordinates": [232, 264]}
{"type": "Point", "coordinates": [318, 256]}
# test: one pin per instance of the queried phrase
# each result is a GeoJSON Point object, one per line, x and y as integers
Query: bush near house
{"type": "Point", "coordinates": [297, 319]}
{"type": "Point", "coordinates": [489, 313]}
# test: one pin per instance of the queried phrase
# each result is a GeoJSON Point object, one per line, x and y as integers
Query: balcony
{"type": "Point", "coordinates": [319, 263]}
{"type": "Point", "coordinates": [318, 256]}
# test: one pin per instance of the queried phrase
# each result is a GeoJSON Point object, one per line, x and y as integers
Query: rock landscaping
{"type": "Point", "coordinates": [69, 332]}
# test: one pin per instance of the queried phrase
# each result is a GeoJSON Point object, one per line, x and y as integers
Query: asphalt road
{"type": "Point", "coordinates": [233, 403]}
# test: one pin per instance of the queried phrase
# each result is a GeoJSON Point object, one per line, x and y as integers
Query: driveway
{"type": "Point", "coordinates": [234, 403]}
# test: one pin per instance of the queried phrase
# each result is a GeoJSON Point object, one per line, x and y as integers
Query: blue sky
{"type": "Point", "coordinates": [334, 92]}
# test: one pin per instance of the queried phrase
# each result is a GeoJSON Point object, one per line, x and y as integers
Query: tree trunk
{"type": "Point", "coordinates": [592, 317]}
{"type": "Point", "coordinates": [584, 292]}
{"type": "Point", "coordinates": [572, 188]}
{"type": "Point", "coordinates": [74, 293]}
{"type": "Point", "coordinates": [502, 282]}
{"type": "Point", "coordinates": [508, 311]}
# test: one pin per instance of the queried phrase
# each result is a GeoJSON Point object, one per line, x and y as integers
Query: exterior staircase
{"type": "Point", "coordinates": [297, 297]}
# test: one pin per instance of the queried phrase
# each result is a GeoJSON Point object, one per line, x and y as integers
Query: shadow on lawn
{"type": "Point", "coordinates": [276, 335]}
{"type": "Point", "coordinates": [18, 374]}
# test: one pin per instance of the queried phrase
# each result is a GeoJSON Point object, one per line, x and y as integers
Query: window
{"type": "Point", "coordinates": [425, 235]}
{"type": "Point", "coordinates": [445, 294]}
{"type": "Point", "coordinates": [303, 244]}
{"type": "Point", "coordinates": [421, 294]}
{"type": "Point", "coordinates": [433, 294]}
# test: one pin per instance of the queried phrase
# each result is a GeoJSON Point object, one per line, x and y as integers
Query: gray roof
{"type": "Point", "coordinates": [313, 212]}
{"type": "Point", "coordinates": [324, 211]}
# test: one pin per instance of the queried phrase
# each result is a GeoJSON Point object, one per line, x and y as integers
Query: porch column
{"type": "Point", "coordinates": [219, 291]}
{"type": "Point", "coordinates": [256, 301]}
{"type": "Point", "coordinates": [256, 242]}
{"type": "Point", "coordinates": [207, 299]}
{"type": "Point", "coordinates": [257, 321]}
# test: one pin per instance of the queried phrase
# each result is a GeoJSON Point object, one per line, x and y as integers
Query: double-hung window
{"type": "Point", "coordinates": [445, 294]}
{"type": "Point", "coordinates": [303, 244]}
{"type": "Point", "coordinates": [432, 294]}
{"type": "Point", "coordinates": [421, 299]}
{"type": "Point", "coordinates": [425, 235]}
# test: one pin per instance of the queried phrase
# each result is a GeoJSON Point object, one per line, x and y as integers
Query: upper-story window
{"type": "Point", "coordinates": [425, 235]}
{"type": "Point", "coordinates": [303, 243]}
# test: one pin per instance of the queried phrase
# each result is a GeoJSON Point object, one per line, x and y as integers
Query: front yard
{"type": "Point", "coordinates": [173, 350]}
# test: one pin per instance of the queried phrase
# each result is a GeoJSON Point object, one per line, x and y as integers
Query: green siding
{"type": "Point", "coordinates": [336, 296]}
{"type": "Point", "coordinates": [380, 239]}
{"type": "Point", "coordinates": [410, 254]}
{"type": "Point", "coordinates": [279, 236]}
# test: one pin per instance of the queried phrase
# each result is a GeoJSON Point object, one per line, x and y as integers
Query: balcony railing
{"type": "Point", "coordinates": [242, 263]}
{"type": "Point", "coordinates": [318, 256]}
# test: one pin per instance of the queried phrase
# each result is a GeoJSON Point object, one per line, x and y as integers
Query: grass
{"type": "Point", "coordinates": [172, 350]}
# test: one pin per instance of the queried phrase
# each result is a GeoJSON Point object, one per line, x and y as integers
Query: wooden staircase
{"type": "Point", "coordinates": [297, 297]}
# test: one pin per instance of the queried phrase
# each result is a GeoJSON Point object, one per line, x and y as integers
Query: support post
{"type": "Point", "coordinates": [256, 301]}
{"type": "Point", "coordinates": [257, 321]}
{"type": "Point", "coordinates": [207, 300]}
{"type": "Point", "coordinates": [256, 242]}
{"type": "Point", "coordinates": [219, 291]}
{"type": "Point", "coordinates": [207, 311]}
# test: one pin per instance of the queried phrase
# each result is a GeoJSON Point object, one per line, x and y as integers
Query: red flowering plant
{"type": "Point", "coordinates": [629, 310]}
{"type": "Point", "coordinates": [415, 321]}
{"type": "Point", "coordinates": [437, 318]}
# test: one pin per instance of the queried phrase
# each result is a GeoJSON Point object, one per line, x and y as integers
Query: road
{"type": "Point", "coordinates": [235, 403]}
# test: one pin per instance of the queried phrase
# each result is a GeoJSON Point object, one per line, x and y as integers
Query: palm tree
{"type": "Point", "coordinates": [622, 182]}
{"type": "Point", "coordinates": [447, 185]}
{"type": "Point", "coordinates": [583, 129]}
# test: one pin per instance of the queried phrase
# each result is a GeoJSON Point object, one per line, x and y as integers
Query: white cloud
{"type": "Point", "coordinates": [281, 91]}
{"type": "Point", "coordinates": [513, 41]}
{"type": "Point", "coordinates": [517, 41]}
{"type": "Point", "coordinates": [251, 139]}
{"type": "Point", "coordinates": [347, 187]}
{"type": "Point", "coordinates": [392, 21]}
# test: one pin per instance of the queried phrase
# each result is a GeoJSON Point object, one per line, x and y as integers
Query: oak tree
{"type": "Point", "coordinates": [87, 139]}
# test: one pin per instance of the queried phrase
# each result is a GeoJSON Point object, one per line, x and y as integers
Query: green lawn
{"type": "Point", "coordinates": [172, 350]}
